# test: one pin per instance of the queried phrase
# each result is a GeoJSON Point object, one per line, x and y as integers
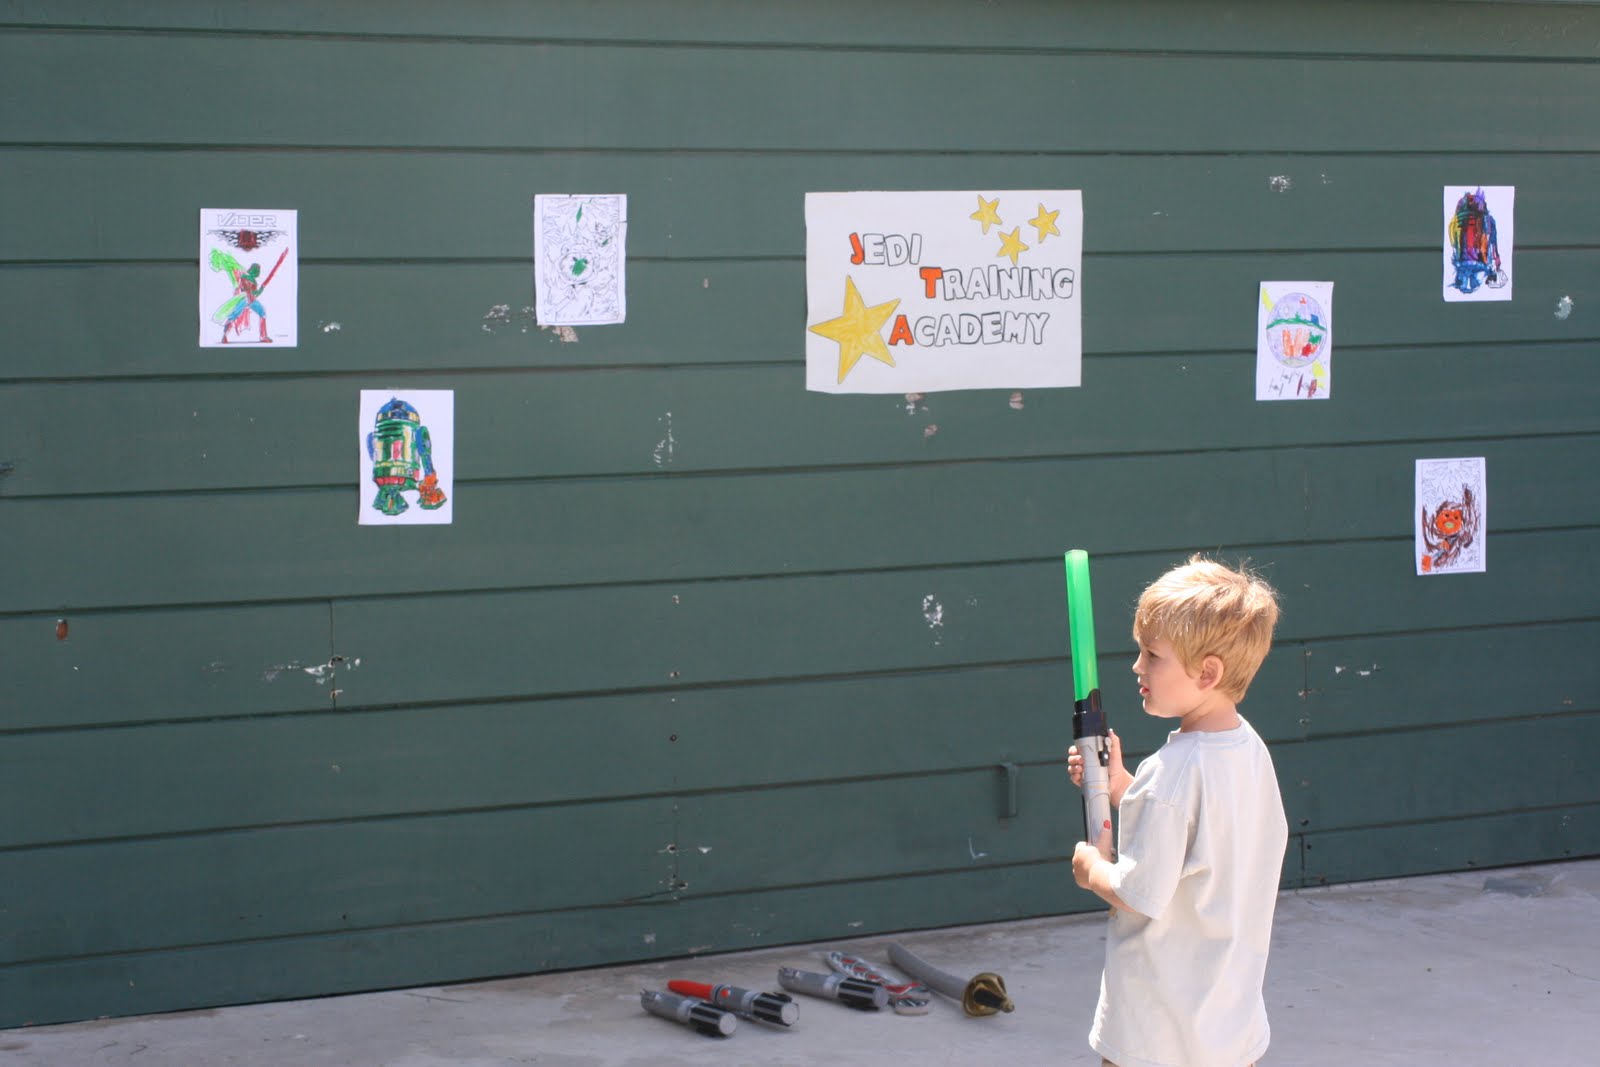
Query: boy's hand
{"type": "Point", "coordinates": [1085, 856]}
{"type": "Point", "coordinates": [1091, 874]}
{"type": "Point", "coordinates": [1118, 778]}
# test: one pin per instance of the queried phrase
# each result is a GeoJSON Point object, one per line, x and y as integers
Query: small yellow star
{"type": "Point", "coordinates": [1011, 245]}
{"type": "Point", "coordinates": [1045, 222]}
{"type": "Point", "coordinates": [988, 212]}
{"type": "Point", "coordinates": [858, 329]}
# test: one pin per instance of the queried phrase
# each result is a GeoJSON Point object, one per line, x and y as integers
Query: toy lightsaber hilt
{"type": "Point", "coordinates": [766, 1007]}
{"type": "Point", "coordinates": [982, 994]}
{"type": "Point", "coordinates": [851, 992]}
{"type": "Point", "coordinates": [692, 1012]}
{"type": "Point", "coordinates": [1093, 739]}
{"type": "Point", "coordinates": [905, 998]}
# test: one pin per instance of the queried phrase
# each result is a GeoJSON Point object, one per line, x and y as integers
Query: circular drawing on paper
{"type": "Point", "coordinates": [575, 268]}
{"type": "Point", "coordinates": [1298, 331]}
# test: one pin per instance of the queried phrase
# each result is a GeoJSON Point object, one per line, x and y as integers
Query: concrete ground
{"type": "Point", "coordinates": [1491, 968]}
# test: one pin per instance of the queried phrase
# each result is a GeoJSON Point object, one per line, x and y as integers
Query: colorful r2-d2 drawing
{"type": "Point", "coordinates": [400, 454]}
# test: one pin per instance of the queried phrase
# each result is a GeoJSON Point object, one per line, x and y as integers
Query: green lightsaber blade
{"type": "Point", "coordinates": [1090, 731]}
{"type": "Point", "coordinates": [1080, 616]}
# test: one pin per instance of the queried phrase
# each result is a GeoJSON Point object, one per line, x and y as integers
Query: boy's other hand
{"type": "Point", "coordinates": [1118, 778]}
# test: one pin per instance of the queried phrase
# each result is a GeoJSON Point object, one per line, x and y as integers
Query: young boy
{"type": "Point", "coordinates": [1201, 840]}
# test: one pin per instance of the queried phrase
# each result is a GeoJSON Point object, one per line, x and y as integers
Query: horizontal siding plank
{"type": "Point", "coordinates": [220, 774]}
{"type": "Point", "coordinates": [194, 662]}
{"type": "Point", "coordinates": [303, 434]}
{"type": "Point", "coordinates": [129, 204]}
{"type": "Point", "coordinates": [1371, 687]}
{"type": "Point", "coordinates": [1464, 771]}
{"type": "Point", "coordinates": [521, 944]}
{"type": "Point", "coordinates": [821, 625]}
{"type": "Point", "coordinates": [602, 96]}
{"type": "Point", "coordinates": [516, 645]}
{"type": "Point", "coordinates": [445, 321]}
{"type": "Point", "coordinates": [149, 894]}
{"type": "Point", "coordinates": [1404, 681]}
{"type": "Point", "coordinates": [91, 899]}
{"type": "Point", "coordinates": [1411, 28]}
{"type": "Point", "coordinates": [175, 549]}
{"type": "Point", "coordinates": [1363, 588]}
{"type": "Point", "coordinates": [798, 835]}
{"type": "Point", "coordinates": [1484, 840]}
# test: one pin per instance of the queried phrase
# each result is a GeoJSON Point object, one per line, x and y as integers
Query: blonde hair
{"type": "Point", "coordinates": [1203, 608]}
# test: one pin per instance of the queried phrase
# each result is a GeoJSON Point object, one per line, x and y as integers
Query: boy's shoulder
{"type": "Point", "coordinates": [1165, 774]}
{"type": "Point", "coordinates": [1178, 768]}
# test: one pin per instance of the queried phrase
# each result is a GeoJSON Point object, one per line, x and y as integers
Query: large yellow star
{"type": "Point", "coordinates": [858, 330]}
{"type": "Point", "coordinates": [1011, 245]}
{"type": "Point", "coordinates": [1045, 222]}
{"type": "Point", "coordinates": [988, 212]}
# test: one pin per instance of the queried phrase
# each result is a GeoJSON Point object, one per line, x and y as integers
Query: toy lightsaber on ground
{"type": "Point", "coordinates": [982, 994]}
{"type": "Point", "coordinates": [848, 991]}
{"type": "Point", "coordinates": [906, 998]}
{"type": "Point", "coordinates": [767, 1007]}
{"type": "Point", "coordinates": [1089, 729]}
{"type": "Point", "coordinates": [691, 1012]}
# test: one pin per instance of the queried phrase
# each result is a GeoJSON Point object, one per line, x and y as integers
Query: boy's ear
{"type": "Point", "coordinates": [1212, 670]}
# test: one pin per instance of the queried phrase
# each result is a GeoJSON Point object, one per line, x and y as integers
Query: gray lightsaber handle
{"type": "Point", "coordinates": [697, 1014]}
{"type": "Point", "coordinates": [1096, 752]}
{"type": "Point", "coordinates": [982, 994]}
{"type": "Point", "coordinates": [851, 991]}
{"type": "Point", "coordinates": [768, 1007]}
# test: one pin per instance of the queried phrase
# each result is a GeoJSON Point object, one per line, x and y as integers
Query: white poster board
{"type": "Point", "coordinates": [929, 291]}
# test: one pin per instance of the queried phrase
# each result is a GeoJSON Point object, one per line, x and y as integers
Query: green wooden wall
{"type": "Point", "coordinates": [706, 662]}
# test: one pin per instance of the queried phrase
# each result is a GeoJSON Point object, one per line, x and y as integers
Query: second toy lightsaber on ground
{"type": "Point", "coordinates": [768, 1007]}
{"type": "Point", "coordinates": [853, 992]}
{"type": "Point", "coordinates": [1090, 731]}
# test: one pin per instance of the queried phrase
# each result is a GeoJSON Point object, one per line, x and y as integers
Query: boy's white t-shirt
{"type": "Point", "coordinates": [1200, 852]}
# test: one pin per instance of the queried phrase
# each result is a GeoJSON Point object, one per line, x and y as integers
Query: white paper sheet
{"type": "Point", "coordinates": [1451, 518]}
{"type": "Point", "coordinates": [1479, 237]}
{"type": "Point", "coordinates": [580, 259]}
{"type": "Point", "coordinates": [407, 443]}
{"type": "Point", "coordinates": [249, 277]}
{"type": "Point", "coordinates": [1294, 341]}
